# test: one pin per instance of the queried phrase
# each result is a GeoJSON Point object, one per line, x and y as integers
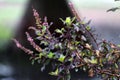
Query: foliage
{"type": "Point", "coordinates": [69, 48]}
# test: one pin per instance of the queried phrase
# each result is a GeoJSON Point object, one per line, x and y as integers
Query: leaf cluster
{"type": "Point", "coordinates": [71, 50]}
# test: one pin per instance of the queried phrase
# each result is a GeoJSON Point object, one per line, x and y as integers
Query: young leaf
{"type": "Point", "coordinates": [62, 58]}
{"type": "Point", "coordinates": [62, 29]}
{"type": "Point", "coordinates": [68, 20]}
{"type": "Point", "coordinates": [71, 59]}
{"type": "Point", "coordinates": [88, 28]}
{"type": "Point", "coordinates": [55, 73]}
{"type": "Point", "coordinates": [62, 20]}
{"type": "Point", "coordinates": [41, 55]}
{"type": "Point", "coordinates": [43, 28]}
{"type": "Point", "coordinates": [116, 65]}
{"type": "Point", "coordinates": [50, 55]}
{"type": "Point", "coordinates": [93, 61]}
{"type": "Point", "coordinates": [58, 31]}
{"type": "Point", "coordinates": [73, 19]}
{"type": "Point", "coordinates": [44, 42]}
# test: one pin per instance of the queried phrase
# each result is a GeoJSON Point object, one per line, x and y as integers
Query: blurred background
{"type": "Point", "coordinates": [11, 13]}
{"type": "Point", "coordinates": [16, 16]}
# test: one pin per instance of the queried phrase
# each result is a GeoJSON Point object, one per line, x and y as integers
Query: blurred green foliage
{"type": "Point", "coordinates": [5, 35]}
{"type": "Point", "coordinates": [11, 12]}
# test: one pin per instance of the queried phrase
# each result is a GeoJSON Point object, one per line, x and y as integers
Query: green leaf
{"type": "Point", "coordinates": [43, 28]}
{"type": "Point", "coordinates": [62, 29]}
{"type": "Point", "coordinates": [93, 61]}
{"type": "Point", "coordinates": [62, 20]}
{"type": "Point", "coordinates": [62, 58]}
{"type": "Point", "coordinates": [116, 65]}
{"type": "Point", "coordinates": [71, 59]}
{"type": "Point", "coordinates": [58, 31]}
{"type": "Point", "coordinates": [58, 45]}
{"type": "Point", "coordinates": [77, 42]}
{"type": "Point", "coordinates": [41, 55]}
{"type": "Point", "coordinates": [44, 42]}
{"type": "Point", "coordinates": [38, 57]}
{"type": "Point", "coordinates": [73, 19]}
{"type": "Point", "coordinates": [50, 55]}
{"type": "Point", "coordinates": [68, 20]}
{"type": "Point", "coordinates": [88, 28]}
{"type": "Point", "coordinates": [55, 73]}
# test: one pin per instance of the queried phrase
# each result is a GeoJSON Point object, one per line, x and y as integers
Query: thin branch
{"type": "Point", "coordinates": [22, 47]}
{"type": "Point", "coordinates": [29, 38]}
